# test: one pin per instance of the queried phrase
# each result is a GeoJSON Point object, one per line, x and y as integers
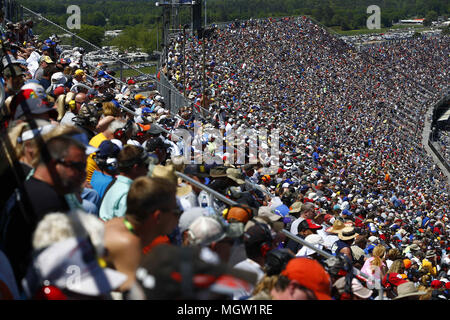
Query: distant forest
{"type": "Point", "coordinates": [140, 18]}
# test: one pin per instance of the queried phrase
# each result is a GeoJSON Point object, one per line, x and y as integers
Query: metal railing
{"type": "Point", "coordinates": [378, 284]}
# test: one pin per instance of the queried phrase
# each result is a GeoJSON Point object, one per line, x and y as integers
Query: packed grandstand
{"type": "Point", "coordinates": [352, 206]}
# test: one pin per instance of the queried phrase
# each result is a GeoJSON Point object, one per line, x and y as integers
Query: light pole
{"type": "Point", "coordinates": [184, 59]}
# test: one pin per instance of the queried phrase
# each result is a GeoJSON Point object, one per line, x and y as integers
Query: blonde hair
{"type": "Point", "coordinates": [378, 253]}
{"type": "Point", "coordinates": [61, 106]}
{"type": "Point", "coordinates": [397, 266]}
{"type": "Point", "coordinates": [266, 284]}
{"type": "Point", "coordinates": [109, 109]}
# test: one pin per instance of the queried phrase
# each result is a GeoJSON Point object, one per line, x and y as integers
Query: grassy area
{"type": "Point", "coordinates": [132, 73]}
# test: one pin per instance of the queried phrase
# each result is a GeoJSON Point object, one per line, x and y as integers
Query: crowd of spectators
{"type": "Point", "coordinates": [96, 208]}
{"type": "Point", "coordinates": [444, 143]}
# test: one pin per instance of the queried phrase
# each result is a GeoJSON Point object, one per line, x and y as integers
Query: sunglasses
{"type": "Point", "coordinates": [78, 165]}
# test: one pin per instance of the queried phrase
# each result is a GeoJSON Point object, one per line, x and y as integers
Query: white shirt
{"type": "Point", "coordinates": [68, 118]}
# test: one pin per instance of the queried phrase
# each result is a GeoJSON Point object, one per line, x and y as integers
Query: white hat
{"type": "Point", "coordinates": [72, 264]}
{"type": "Point", "coordinates": [205, 230]}
{"type": "Point", "coordinates": [189, 216]}
{"type": "Point", "coordinates": [314, 239]}
{"type": "Point", "coordinates": [357, 288]}
{"type": "Point", "coordinates": [118, 143]}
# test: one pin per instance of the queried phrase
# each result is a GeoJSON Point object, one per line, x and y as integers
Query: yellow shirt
{"type": "Point", "coordinates": [91, 165]}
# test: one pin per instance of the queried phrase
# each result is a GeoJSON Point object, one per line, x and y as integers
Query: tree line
{"type": "Point", "coordinates": [141, 19]}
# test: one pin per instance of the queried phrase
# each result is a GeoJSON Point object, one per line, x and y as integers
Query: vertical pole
{"type": "Point", "coordinates": [204, 72]}
{"type": "Point", "coordinates": [121, 71]}
{"type": "Point", "coordinates": [184, 60]}
{"type": "Point", "coordinates": [205, 15]}
{"type": "Point", "coordinates": [157, 34]}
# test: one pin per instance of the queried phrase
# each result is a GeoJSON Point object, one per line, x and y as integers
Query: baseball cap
{"type": "Point", "coordinates": [310, 274]}
{"type": "Point", "coordinates": [59, 90]}
{"type": "Point", "coordinates": [35, 106]}
{"type": "Point", "coordinates": [309, 224]}
{"type": "Point", "coordinates": [107, 149]}
{"type": "Point", "coordinates": [58, 78]}
{"type": "Point", "coordinates": [46, 59]}
{"type": "Point", "coordinates": [315, 240]}
{"type": "Point", "coordinates": [282, 210]}
{"type": "Point", "coordinates": [79, 72]}
{"type": "Point", "coordinates": [239, 214]}
{"type": "Point", "coordinates": [53, 263]}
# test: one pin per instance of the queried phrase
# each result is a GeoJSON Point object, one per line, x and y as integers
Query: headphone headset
{"type": "Point", "coordinates": [104, 164]}
{"type": "Point", "coordinates": [266, 246]}
{"type": "Point", "coordinates": [143, 157]}
{"type": "Point", "coordinates": [245, 208]}
{"type": "Point", "coordinates": [120, 133]}
{"type": "Point", "coordinates": [72, 105]}
{"type": "Point", "coordinates": [276, 260]}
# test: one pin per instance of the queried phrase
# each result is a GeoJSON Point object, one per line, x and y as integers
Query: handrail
{"type": "Point", "coordinates": [80, 85]}
{"type": "Point", "coordinates": [216, 194]}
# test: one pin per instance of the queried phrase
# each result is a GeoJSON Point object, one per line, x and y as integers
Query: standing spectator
{"type": "Point", "coordinates": [151, 211]}
{"type": "Point", "coordinates": [375, 266]}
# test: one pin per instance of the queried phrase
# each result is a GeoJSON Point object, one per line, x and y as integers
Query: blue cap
{"type": "Point", "coordinates": [45, 48]}
{"type": "Point", "coordinates": [146, 102]}
{"type": "Point", "coordinates": [146, 110]}
{"type": "Point", "coordinates": [108, 149]}
{"type": "Point", "coordinates": [282, 210]}
{"type": "Point", "coordinates": [346, 212]}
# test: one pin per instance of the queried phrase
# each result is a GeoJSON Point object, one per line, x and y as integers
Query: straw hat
{"type": "Point", "coordinates": [296, 207]}
{"type": "Point", "coordinates": [168, 172]}
{"type": "Point", "coordinates": [337, 227]}
{"type": "Point", "coordinates": [408, 289]}
{"type": "Point", "coordinates": [347, 233]}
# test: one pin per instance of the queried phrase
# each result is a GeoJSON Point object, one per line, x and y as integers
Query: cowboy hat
{"type": "Point", "coordinates": [408, 289]}
{"type": "Point", "coordinates": [347, 233]}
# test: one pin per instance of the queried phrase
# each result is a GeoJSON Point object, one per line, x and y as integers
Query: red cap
{"type": "Point", "coordinates": [59, 90]}
{"type": "Point", "coordinates": [312, 225]}
{"type": "Point", "coordinates": [310, 274]}
{"type": "Point", "coordinates": [436, 284]}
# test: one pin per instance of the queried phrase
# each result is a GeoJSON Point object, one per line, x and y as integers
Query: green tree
{"type": "Point", "coordinates": [92, 34]}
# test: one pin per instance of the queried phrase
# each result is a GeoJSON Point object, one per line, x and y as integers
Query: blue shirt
{"type": "Point", "coordinates": [114, 203]}
{"type": "Point", "coordinates": [100, 182]}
